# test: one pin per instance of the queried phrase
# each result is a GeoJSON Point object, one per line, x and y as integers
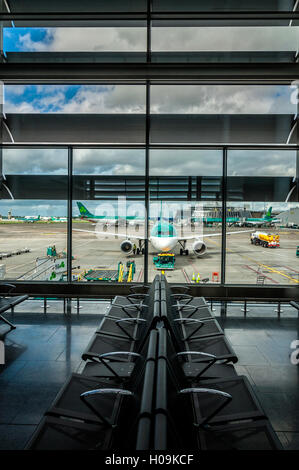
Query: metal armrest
{"type": "Point", "coordinates": [182, 296]}
{"type": "Point", "coordinates": [136, 306]}
{"type": "Point", "coordinates": [102, 359]}
{"type": "Point", "coordinates": [135, 320]}
{"type": "Point", "coordinates": [189, 308]}
{"type": "Point", "coordinates": [134, 288]}
{"type": "Point", "coordinates": [12, 287]}
{"type": "Point", "coordinates": [119, 353]}
{"type": "Point", "coordinates": [93, 356]}
{"type": "Point", "coordinates": [104, 391]}
{"type": "Point", "coordinates": [211, 359]}
{"type": "Point", "coordinates": [188, 320]}
{"type": "Point", "coordinates": [195, 353]}
{"type": "Point", "coordinates": [137, 296]}
{"type": "Point", "coordinates": [129, 306]}
{"type": "Point", "coordinates": [294, 304]}
{"type": "Point", "coordinates": [200, 324]}
{"type": "Point", "coordinates": [210, 391]}
{"type": "Point", "coordinates": [183, 288]}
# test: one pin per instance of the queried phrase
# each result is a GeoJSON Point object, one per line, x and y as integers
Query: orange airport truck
{"type": "Point", "coordinates": [266, 240]}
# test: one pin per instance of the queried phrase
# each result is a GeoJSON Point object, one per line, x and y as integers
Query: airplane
{"type": "Point", "coordinates": [31, 219]}
{"type": "Point", "coordinates": [218, 220]}
{"type": "Point", "coordinates": [258, 221]}
{"type": "Point", "coordinates": [58, 219]}
{"type": "Point", "coordinates": [163, 238]}
{"type": "Point", "coordinates": [108, 220]}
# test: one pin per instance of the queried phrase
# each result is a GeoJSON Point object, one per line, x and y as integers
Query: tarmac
{"type": "Point", "coordinates": [244, 262]}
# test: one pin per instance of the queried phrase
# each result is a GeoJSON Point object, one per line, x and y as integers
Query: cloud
{"type": "Point", "coordinates": [163, 162]}
{"type": "Point", "coordinates": [34, 208]}
{"type": "Point", "coordinates": [274, 163]}
{"type": "Point", "coordinates": [71, 39]}
{"type": "Point", "coordinates": [222, 99]}
{"type": "Point", "coordinates": [92, 99]}
{"type": "Point", "coordinates": [170, 99]}
{"type": "Point", "coordinates": [233, 38]}
{"type": "Point", "coordinates": [85, 161]}
{"type": "Point", "coordinates": [109, 161]}
{"type": "Point", "coordinates": [133, 39]}
{"type": "Point", "coordinates": [185, 162]}
{"type": "Point", "coordinates": [35, 161]}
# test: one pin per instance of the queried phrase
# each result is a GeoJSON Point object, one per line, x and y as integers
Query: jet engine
{"type": "Point", "coordinates": [126, 247]}
{"type": "Point", "coordinates": [199, 247]}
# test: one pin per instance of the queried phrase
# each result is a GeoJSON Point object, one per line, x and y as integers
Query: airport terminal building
{"type": "Point", "coordinates": [149, 228]}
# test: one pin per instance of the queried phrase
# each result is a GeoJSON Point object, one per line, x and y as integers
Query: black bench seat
{"type": "Point", "coordinates": [8, 303]}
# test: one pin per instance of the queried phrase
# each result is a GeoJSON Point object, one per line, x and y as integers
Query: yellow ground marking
{"type": "Point", "coordinates": [272, 270]}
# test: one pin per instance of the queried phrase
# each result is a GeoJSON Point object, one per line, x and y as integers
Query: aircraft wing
{"type": "Point", "coordinates": [197, 237]}
{"type": "Point", "coordinates": [121, 235]}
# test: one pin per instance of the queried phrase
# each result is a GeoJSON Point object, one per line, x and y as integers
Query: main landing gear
{"type": "Point", "coordinates": [140, 249]}
{"type": "Point", "coordinates": [183, 250]}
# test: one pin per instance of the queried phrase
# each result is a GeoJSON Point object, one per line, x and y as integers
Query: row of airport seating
{"type": "Point", "coordinates": [159, 374]}
{"type": "Point", "coordinates": [7, 302]}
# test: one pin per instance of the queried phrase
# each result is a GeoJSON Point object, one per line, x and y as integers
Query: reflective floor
{"type": "Point", "coordinates": [45, 349]}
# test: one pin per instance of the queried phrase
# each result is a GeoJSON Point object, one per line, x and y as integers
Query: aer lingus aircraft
{"type": "Point", "coordinates": [111, 220]}
{"type": "Point", "coordinates": [267, 219]}
{"type": "Point", "coordinates": [163, 238]}
{"type": "Point", "coordinates": [29, 218]}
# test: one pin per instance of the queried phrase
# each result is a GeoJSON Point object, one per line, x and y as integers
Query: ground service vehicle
{"type": "Point", "coordinates": [164, 261]}
{"type": "Point", "coordinates": [266, 240]}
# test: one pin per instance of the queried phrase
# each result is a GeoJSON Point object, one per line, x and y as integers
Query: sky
{"type": "Point", "coordinates": [168, 162]}
{"type": "Point", "coordinates": [170, 99]}
{"type": "Point", "coordinates": [133, 39]}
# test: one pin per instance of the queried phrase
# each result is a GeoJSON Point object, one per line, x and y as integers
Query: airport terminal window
{"type": "Point", "coordinates": [224, 41]}
{"type": "Point", "coordinates": [108, 214]}
{"type": "Point", "coordinates": [223, 6]}
{"type": "Point", "coordinates": [262, 202]}
{"type": "Point", "coordinates": [74, 99]}
{"type": "Point", "coordinates": [185, 214]}
{"type": "Point", "coordinates": [75, 113]}
{"type": "Point", "coordinates": [222, 114]}
{"type": "Point", "coordinates": [49, 41]}
{"type": "Point", "coordinates": [33, 224]}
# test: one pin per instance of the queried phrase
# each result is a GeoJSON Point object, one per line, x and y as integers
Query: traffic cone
{"type": "Point", "coordinates": [193, 278]}
{"type": "Point", "coordinates": [198, 278]}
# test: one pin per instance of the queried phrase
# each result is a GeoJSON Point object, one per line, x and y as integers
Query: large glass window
{"type": "Point", "coordinates": [75, 41]}
{"type": "Point", "coordinates": [108, 214]}
{"type": "Point", "coordinates": [185, 223]}
{"type": "Point", "coordinates": [33, 221]}
{"type": "Point", "coordinates": [223, 6]}
{"type": "Point", "coordinates": [262, 195]}
{"type": "Point", "coordinates": [75, 114]}
{"type": "Point", "coordinates": [224, 41]}
{"type": "Point", "coordinates": [222, 114]}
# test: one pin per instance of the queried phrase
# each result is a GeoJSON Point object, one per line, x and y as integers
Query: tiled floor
{"type": "Point", "coordinates": [263, 345]}
{"type": "Point", "coordinates": [45, 349]}
{"type": "Point", "coordinates": [40, 354]}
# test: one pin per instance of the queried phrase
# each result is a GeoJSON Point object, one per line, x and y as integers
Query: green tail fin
{"type": "Point", "coordinates": [269, 213]}
{"type": "Point", "coordinates": [83, 211]}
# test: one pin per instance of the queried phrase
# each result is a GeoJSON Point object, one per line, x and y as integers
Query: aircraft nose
{"type": "Point", "coordinates": [165, 244]}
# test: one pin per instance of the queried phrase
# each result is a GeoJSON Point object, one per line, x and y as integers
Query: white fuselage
{"type": "Point", "coordinates": [163, 244]}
